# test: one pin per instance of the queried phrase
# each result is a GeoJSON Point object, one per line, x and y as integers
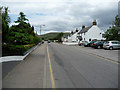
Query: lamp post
{"type": "Point", "coordinates": [40, 28]}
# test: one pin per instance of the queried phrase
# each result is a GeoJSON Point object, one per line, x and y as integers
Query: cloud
{"type": "Point", "coordinates": [64, 15]}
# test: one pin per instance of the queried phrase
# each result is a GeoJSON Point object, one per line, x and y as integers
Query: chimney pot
{"type": "Point", "coordinates": [83, 26]}
{"type": "Point", "coordinates": [94, 22]}
{"type": "Point", "coordinates": [77, 30]}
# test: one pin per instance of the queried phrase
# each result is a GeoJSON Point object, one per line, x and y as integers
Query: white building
{"type": "Point", "coordinates": [71, 39]}
{"type": "Point", "coordinates": [92, 32]}
{"type": "Point", "coordinates": [73, 36]}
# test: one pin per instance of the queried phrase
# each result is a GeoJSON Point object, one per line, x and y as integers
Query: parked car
{"type": "Point", "coordinates": [83, 43]}
{"type": "Point", "coordinates": [48, 41]}
{"type": "Point", "coordinates": [90, 43]}
{"type": "Point", "coordinates": [80, 43]}
{"type": "Point", "coordinates": [42, 41]}
{"type": "Point", "coordinates": [111, 45]}
{"type": "Point", "coordinates": [98, 44]}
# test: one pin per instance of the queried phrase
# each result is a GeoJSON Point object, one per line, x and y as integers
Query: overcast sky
{"type": "Point", "coordinates": [64, 15]}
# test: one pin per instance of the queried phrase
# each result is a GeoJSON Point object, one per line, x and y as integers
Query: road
{"type": "Point", "coordinates": [61, 66]}
{"type": "Point", "coordinates": [73, 68]}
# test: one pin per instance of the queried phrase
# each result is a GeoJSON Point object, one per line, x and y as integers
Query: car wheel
{"type": "Point", "coordinates": [105, 49]}
{"type": "Point", "coordinates": [111, 48]}
{"type": "Point", "coordinates": [99, 47]}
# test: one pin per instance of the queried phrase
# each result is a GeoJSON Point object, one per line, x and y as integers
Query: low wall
{"type": "Point", "coordinates": [17, 58]}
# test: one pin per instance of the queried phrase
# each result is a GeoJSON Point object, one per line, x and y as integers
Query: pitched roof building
{"type": "Point", "coordinates": [92, 32]}
{"type": "Point", "coordinates": [89, 33]}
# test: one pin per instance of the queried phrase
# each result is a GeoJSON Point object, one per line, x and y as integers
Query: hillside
{"type": "Point", "coordinates": [50, 36]}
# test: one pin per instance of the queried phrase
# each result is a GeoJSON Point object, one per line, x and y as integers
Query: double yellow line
{"type": "Point", "coordinates": [51, 71]}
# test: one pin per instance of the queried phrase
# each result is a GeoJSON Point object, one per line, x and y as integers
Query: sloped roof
{"type": "Point", "coordinates": [85, 29]}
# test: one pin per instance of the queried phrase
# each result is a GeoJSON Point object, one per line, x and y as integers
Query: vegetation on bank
{"type": "Point", "coordinates": [18, 38]}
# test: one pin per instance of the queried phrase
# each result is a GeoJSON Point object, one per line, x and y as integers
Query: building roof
{"type": "Point", "coordinates": [85, 29]}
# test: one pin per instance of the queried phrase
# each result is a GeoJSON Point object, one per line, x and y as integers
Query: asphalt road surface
{"type": "Point", "coordinates": [73, 68]}
{"type": "Point", "coordinates": [59, 66]}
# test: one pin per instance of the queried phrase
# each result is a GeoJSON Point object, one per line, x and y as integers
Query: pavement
{"type": "Point", "coordinates": [30, 73]}
{"type": "Point", "coordinates": [59, 66]}
{"type": "Point", "coordinates": [8, 66]}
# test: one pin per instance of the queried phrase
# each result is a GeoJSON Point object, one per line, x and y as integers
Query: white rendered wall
{"type": "Point", "coordinates": [93, 33]}
{"type": "Point", "coordinates": [74, 37]}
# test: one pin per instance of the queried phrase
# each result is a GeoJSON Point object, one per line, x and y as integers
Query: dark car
{"type": "Point", "coordinates": [42, 42]}
{"type": "Point", "coordinates": [98, 44]}
{"type": "Point", "coordinates": [48, 41]}
{"type": "Point", "coordinates": [91, 43]}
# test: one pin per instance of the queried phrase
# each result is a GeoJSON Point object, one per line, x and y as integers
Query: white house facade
{"type": "Point", "coordinates": [92, 32]}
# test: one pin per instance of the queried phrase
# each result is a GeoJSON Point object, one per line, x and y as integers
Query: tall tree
{"type": "Point", "coordinates": [113, 32]}
{"type": "Point", "coordinates": [59, 37]}
{"type": "Point", "coordinates": [1, 19]}
{"type": "Point", "coordinates": [5, 24]}
{"type": "Point", "coordinates": [23, 33]}
{"type": "Point", "coordinates": [22, 18]}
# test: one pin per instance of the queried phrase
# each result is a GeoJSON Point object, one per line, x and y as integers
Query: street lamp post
{"type": "Point", "coordinates": [40, 28]}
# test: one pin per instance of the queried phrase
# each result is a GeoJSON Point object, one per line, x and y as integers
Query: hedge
{"type": "Point", "coordinates": [11, 49]}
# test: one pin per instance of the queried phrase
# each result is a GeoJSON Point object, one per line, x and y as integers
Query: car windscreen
{"type": "Point", "coordinates": [106, 42]}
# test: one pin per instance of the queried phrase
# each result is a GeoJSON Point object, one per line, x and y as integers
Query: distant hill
{"type": "Point", "coordinates": [50, 36]}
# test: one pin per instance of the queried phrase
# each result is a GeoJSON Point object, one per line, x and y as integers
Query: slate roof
{"type": "Point", "coordinates": [85, 29]}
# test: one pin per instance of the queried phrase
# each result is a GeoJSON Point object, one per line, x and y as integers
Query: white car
{"type": "Point", "coordinates": [111, 45]}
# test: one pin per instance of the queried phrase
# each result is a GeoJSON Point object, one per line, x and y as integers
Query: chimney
{"type": "Point", "coordinates": [94, 22]}
{"type": "Point", "coordinates": [77, 30]}
{"type": "Point", "coordinates": [72, 32]}
{"type": "Point", "coordinates": [83, 26]}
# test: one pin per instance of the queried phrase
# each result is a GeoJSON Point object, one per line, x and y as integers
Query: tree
{"type": "Point", "coordinates": [5, 24]}
{"type": "Point", "coordinates": [23, 33]}
{"type": "Point", "coordinates": [22, 18]}
{"type": "Point", "coordinates": [1, 19]}
{"type": "Point", "coordinates": [59, 37]}
{"type": "Point", "coordinates": [112, 32]}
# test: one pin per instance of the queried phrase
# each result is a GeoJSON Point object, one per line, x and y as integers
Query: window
{"type": "Point", "coordinates": [84, 39]}
{"type": "Point", "coordinates": [114, 42]}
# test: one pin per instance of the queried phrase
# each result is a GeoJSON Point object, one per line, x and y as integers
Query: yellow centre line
{"type": "Point", "coordinates": [51, 71]}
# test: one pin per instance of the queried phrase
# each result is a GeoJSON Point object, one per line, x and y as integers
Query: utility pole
{"type": "Point", "coordinates": [40, 28]}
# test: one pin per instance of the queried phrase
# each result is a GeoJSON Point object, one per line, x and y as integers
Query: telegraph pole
{"type": "Point", "coordinates": [40, 28]}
